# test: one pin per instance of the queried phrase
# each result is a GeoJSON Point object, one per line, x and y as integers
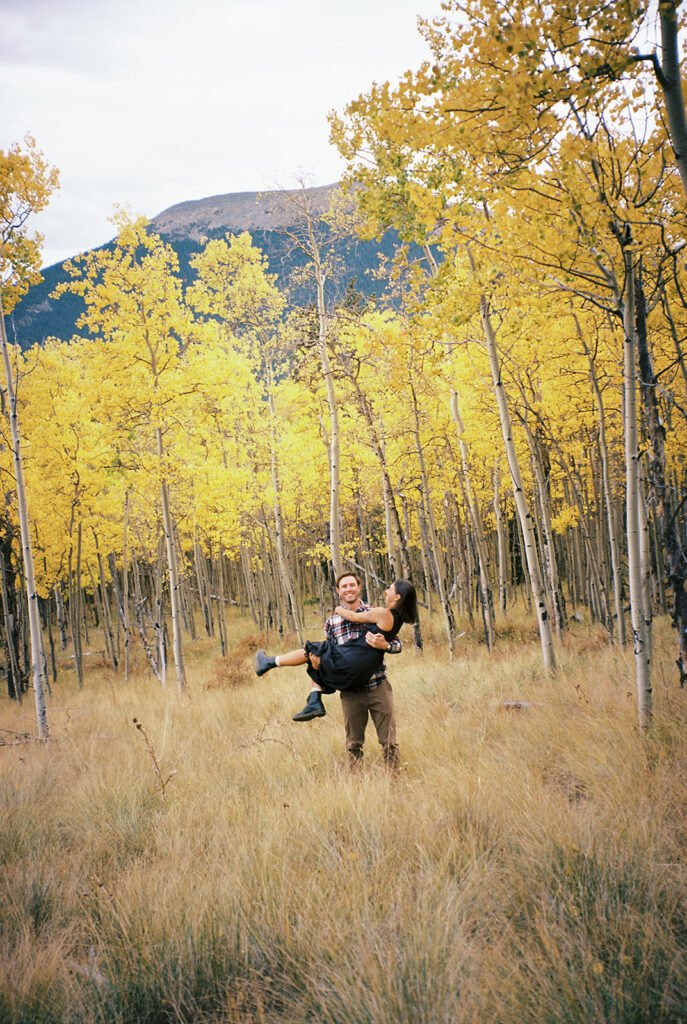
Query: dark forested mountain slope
{"type": "Point", "coordinates": [186, 226]}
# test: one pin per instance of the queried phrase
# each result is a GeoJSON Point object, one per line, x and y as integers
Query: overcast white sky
{"type": "Point", "coordinates": [147, 103]}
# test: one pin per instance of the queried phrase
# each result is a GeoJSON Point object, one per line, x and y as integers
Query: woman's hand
{"type": "Point", "coordinates": [340, 610]}
{"type": "Point", "coordinates": [376, 640]}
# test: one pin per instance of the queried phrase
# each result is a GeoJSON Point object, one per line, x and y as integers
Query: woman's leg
{"type": "Point", "coordinates": [291, 659]}
{"type": "Point", "coordinates": [263, 662]}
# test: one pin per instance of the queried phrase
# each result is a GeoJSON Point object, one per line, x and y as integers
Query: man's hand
{"type": "Point", "coordinates": [314, 660]}
{"type": "Point", "coordinates": [377, 641]}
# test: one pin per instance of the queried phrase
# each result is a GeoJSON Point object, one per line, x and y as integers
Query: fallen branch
{"type": "Point", "coordinates": [519, 705]}
{"type": "Point", "coordinates": [261, 738]}
{"type": "Point", "coordinates": [19, 738]}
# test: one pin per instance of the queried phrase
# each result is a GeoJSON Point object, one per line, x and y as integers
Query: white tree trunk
{"type": "Point", "coordinates": [610, 517]}
{"type": "Point", "coordinates": [436, 555]}
{"type": "Point", "coordinates": [284, 572]}
{"type": "Point", "coordinates": [533, 566]}
{"type": "Point", "coordinates": [645, 562]}
{"type": "Point", "coordinates": [334, 463]}
{"type": "Point", "coordinates": [671, 83]}
{"type": "Point", "coordinates": [501, 539]}
{"type": "Point", "coordinates": [37, 660]}
{"type": "Point", "coordinates": [174, 601]}
{"type": "Point", "coordinates": [547, 545]}
{"type": "Point", "coordinates": [478, 532]}
{"type": "Point", "coordinates": [641, 647]}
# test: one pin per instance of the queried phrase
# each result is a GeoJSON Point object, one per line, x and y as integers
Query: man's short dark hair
{"type": "Point", "coordinates": [349, 572]}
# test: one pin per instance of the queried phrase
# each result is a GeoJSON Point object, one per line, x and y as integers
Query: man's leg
{"type": "Point", "coordinates": [381, 704]}
{"type": "Point", "coordinates": [354, 705]}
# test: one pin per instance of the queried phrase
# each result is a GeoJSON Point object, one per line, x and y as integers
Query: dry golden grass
{"type": "Point", "coordinates": [525, 866]}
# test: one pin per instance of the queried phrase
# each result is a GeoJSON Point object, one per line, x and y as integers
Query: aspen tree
{"type": "Point", "coordinates": [638, 613]}
{"type": "Point", "coordinates": [668, 519]}
{"type": "Point", "coordinates": [524, 516]}
{"type": "Point", "coordinates": [26, 183]}
{"type": "Point", "coordinates": [307, 236]}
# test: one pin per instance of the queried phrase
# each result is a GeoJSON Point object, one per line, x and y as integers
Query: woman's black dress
{"type": "Point", "coordinates": [351, 665]}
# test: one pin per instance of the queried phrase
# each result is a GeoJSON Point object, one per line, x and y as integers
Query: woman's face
{"type": "Point", "coordinates": [391, 596]}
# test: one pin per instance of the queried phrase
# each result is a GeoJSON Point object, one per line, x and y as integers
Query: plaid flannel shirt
{"type": "Point", "coordinates": [338, 630]}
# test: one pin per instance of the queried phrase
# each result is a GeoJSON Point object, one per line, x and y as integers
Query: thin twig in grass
{"type": "Point", "coordinates": [17, 738]}
{"type": "Point", "coordinates": [162, 781]}
{"type": "Point", "coordinates": [261, 738]}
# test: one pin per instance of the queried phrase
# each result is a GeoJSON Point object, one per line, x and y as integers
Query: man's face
{"type": "Point", "coordinates": [349, 591]}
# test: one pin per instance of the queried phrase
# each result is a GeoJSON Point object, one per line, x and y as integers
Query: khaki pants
{"type": "Point", "coordinates": [377, 704]}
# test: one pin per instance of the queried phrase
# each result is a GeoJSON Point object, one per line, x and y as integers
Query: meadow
{"type": "Point", "coordinates": [204, 859]}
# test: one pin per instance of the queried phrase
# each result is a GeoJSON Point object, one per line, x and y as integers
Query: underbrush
{"type": "Point", "coordinates": [219, 865]}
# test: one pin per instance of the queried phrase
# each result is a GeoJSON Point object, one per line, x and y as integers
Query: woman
{"type": "Point", "coordinates": [347, 666]}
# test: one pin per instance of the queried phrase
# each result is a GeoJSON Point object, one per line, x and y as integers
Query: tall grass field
{"type": "Point", "coordinates": [204, 859]}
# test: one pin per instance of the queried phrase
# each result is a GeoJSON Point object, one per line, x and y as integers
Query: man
{"type": "Point", "coordinates": [376, 699]}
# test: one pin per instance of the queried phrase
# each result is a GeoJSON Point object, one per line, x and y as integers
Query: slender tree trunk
{"type": "Point", "coordinates": [221, 622]}
{"type": "Point", "coordinates": [37, 660]}
{"type": "Point", "coordinates": [284, 570]}
{"type": "Point", "coordinates": [333, 441]}
{"type": "Point", "coordinates": [248, 579]}
{"type": "Point", "coordinates": [547, 536]}
{"type": "Point", "coordinates": [645, 563]}
{"type": "Point", "coordinates": [671, 83]}
{"type": "Point", "coordinates": [168, 528]}
{"type": "Point", "coordinates": [608, 498]}
{"type": "Point", "coordinates": [399, 536]}
{"type": "Point", "coordinates": [203, 588]}
{"type": "Point", "coordinates": [140, 600]}
{"type": "Point", "coordinates": [104, 600]}
{"type": "Point", "coordinates": [61, 617]}
{"type": "Point", "coordinates": [74, 612]}
{"type": "Point", "coordinates": [159, 624]}
{"type": "Point", "coordinates": [463, 577]}
{"type": "Point", "coordinates": [659, 492]}
{"type": "Point", "coordinates": [477, 530]}
{"type": "Point", "coordinates": [533, 566]}
{"type": "Point", "coordinates": [433, 542]}
{"type": "Point", "coordinates": [425, 561]}
{"type": "Point", "coordinates": [676, 340]}
{"type": "Point", "coordinates": [365, 557]}
{"type": "Point", "coordinates": [393, 550]}
{"type": "Point", "coordinates": [594, 570]}
{"type": "Point", "coordinates": [637, 613]}
{"type": "Point", "coordinates": [120, 607]}
{"type": "Point", "coordinates": [14, 686]}
{"type": "Point", "coordinates": [125, 592]}
{"type": "Point", "coordinates": [502, 550]}
{"type": "Point", "coordinates": [109, 646]}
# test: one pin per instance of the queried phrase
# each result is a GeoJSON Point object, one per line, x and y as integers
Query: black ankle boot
{"type": "Point", "coordinates": [392, 760]}
{"type": "Point", "coordinates": [263, 663]}
{"type": "Point", "coordinates": [314, 708]}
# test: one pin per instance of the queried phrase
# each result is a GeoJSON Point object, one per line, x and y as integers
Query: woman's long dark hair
{"type": "Point", "coordinates": [407, 606]}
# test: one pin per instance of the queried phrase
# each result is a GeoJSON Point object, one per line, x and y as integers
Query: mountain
{"type": "Point", "coordinates": [186, 226]}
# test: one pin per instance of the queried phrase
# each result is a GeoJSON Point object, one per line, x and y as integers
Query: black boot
{"type": "Point", "coordinates": [392, 760]}
{"type": "Point", "coordinates": [263, 663]}
{"type": "Point", "coordinates": [314, 708]}
{"type": "Point", "coordinates": [354, 760]}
